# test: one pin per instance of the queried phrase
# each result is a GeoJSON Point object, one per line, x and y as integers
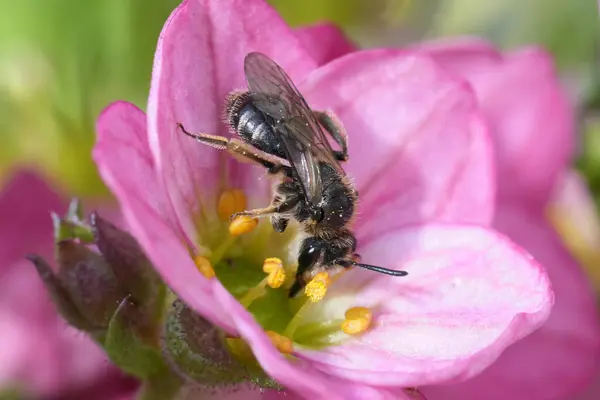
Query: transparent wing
{"type": "Point", "coordinates": [273, 93]}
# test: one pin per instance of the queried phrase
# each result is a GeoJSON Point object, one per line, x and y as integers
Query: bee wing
{"type": "Point", "coordinates": [274, 93]}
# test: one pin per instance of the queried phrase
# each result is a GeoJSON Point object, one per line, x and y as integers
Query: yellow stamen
{"type": "Point", "coordinates": [204, 266]}
{"type": "Point", "coordinates": [230, 202]}
{"type": "Point", "coordinates": [358, 320]}
{"type": "Point", "coordinates": [242, 224]}
{"type": "Point", "coordinates": [275, 278]}
{"type": "Point", "coordinates": [281, 343]}
{"type": "Point", "coordinates": [274, 267]}
{"type": "Point", "coordinates": [316, 289]}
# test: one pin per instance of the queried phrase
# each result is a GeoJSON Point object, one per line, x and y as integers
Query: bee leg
{"type": "Point", "coordinates": [336, 130]}
{"type": "Point", "coordinates": [276, 208]}
{"type": "Point", "coordinates": [239, 149]}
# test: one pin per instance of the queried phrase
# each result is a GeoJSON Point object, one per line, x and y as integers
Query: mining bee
{"type": "Point", "coordinates": [279, 131]}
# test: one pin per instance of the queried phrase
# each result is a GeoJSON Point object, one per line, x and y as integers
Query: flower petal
{"type": "Point", "coordinates": [198, 61]}
{"type": "Point", "coordinates": [469, 294]}
{"type": "Point", "coordinates": [529, 369]}
{"type": "Point", "coordinates": [325, 42]}
{"type": "Point", "coordinates": [529, 112]}
{"type": "Point", "coordinates": [463, 56]}
{"type": "Point", "coordinates": [297, 376]}
{"type": "Point", "coordinates": [125, 164]}
{"type": "Point", "coordinates": [417, 144]}
{"type": "Point", "coordinates": [25, 206]}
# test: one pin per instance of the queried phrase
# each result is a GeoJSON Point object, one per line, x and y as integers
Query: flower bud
{"type": "Point", "coordinates": [135, 274]}
{"type": "Point", "coordinates": [129, 263]}
{"type": "Point", "coordinates": [61, 297]}
{"type": "Point", "coordinates": [89, 282]}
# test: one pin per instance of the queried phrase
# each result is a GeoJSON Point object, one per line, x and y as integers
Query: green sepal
{"type": "Point", "coordinates": [125, 346]}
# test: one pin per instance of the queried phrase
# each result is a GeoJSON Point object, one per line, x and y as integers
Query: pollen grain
{"type": "Point", "coordinates": [358, 320]}
{"type": "Point", "coordinates": [281, 343]}
{"type": "Point", "coordinates": [204, 266]}
{"type": "Point", "coordinates": [316, 289]}
{"type": "Point", "coordinates": [241, 225]}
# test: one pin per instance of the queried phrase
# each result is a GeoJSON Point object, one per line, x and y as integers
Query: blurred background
{"type": "Point", "coordinates": [62, 61]}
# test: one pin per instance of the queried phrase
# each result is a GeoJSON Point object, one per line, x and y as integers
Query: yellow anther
{"type": "Point", "coordinates": [315, 289]}
{"type": "Point", "coordinates": [281, 343]}
{"type": "Point", "coordinates": [271, 264]}
{"type": "Point", "coordinates": [276, 274]}
{"type": "Point", "coordinates": [204, 266]}
{"type": "Point", "coordinates": [242, 224]}
{"type": "Point", "coordinates": [358, 320]}
{"type": "Point", "coordinates": [230, 202]}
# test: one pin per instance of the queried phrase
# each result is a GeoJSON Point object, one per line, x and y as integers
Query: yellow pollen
{"type": "Point", "coordinates": [204, 266]}
{"type": "Point", "coordinates": [274, 267]}
{"type": "Point", "coordinates": [281, 343]}
{"type": "Point", "coordinates": [358, 320]}
{"type": "Point", "coordinates": [242, 224]}
{"type": "Point", "coordinates": [231, 201]}
{"type": "Point", "coordinates": [316, 289]}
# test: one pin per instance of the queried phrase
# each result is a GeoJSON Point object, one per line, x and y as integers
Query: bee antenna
{"type": "Point", "coordinates": [381, 270]}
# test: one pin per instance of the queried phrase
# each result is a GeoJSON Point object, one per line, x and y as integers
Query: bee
{"type": "Point", "coordinates": [278, 130]}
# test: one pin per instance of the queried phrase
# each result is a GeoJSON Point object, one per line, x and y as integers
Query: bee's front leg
{"type": "Point", "coordinates": [282, 207]}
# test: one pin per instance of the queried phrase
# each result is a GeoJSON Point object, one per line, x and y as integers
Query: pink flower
{"type": "Point", "coordinates": [41, 354]}
{"type": "Point", "coordinates": [421, 160]}
{"type": "Point", "coordinates": [533, 132]}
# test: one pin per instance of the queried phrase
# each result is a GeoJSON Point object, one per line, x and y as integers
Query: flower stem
{"type": "Point", "coordinates": [219, 252]}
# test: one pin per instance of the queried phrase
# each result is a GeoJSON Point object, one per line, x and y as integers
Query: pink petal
{"type": "Point", "coordinates": [199, 60]}
{"type": "Point", "coordinates": [464, 56]}
{"type": "Point", "coordinates": [530, 116]}
{"type": "Point", "coordinates": [126, 166]}
{"type": "Point", "coordinates": [592, 392]}
{"type": "Point", "coordinates": [561, 357]}
{"type": "Point", "coordinates": [469, 294]}
{"type": "Point", "coordinates": [417, 144]}
{"type": "Point", "coordinates": [297, 376]}
{"type": "Point", "coordinates": [325, 42]}
{"type": "Point", "coordinates": [25, 206]}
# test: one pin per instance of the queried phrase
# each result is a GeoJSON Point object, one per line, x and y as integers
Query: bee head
{"type": "Point", "coordinates": [317, 214]}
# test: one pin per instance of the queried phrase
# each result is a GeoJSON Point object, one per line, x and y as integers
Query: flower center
{"type": "Point", "coordinates": [257, 267]}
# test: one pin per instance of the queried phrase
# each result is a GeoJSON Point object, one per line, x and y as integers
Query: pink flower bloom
{"type": "Point", "coordinates": [421, 160]}
{"type": "Point", "coordinates": [533, 131]}
{"type": "Point", "coordinates": [41, 354]}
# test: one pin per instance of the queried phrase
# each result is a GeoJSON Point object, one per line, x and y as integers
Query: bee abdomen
{"type": "Point", "coordinates": [252, 125]}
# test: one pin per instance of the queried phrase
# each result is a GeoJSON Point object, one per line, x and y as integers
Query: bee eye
{"type": "Point", "coordinates": [318, 214]}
